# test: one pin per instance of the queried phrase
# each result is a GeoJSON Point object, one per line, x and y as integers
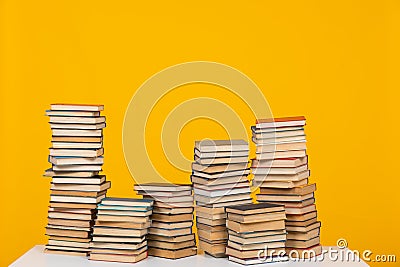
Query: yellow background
{"type": "Point", "coordinates": [336, 62]}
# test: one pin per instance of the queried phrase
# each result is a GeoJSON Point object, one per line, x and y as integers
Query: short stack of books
{"type": "Point", "coordinates": [170, 234]}
{"type": "Point", "coordinates": [256, 233]}
{"type": "Point", "coordinates": [219, 179]}
{"type": "Point", "coordinates": [119, 233]}
{"type": "Point", "coordinates": [281, 171]}
{"type": "Point", "coordinates": [76, 187]}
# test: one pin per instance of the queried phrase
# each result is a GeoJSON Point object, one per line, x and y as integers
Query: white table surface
{"type": "Point", "coordinates": [35, 257]}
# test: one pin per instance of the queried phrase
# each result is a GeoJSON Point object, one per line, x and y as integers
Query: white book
{"type": "Point", "coordinates": [221, 145]}
{"type": "Point", "coordinates": [90, 153]}
{"type": "Point", "coordinates": [76, 107]}
{"type": "Point", "coordinates": [74, 199]}
{"type": "Point", "coordinates": [222, 174]}
{"type": "Point", "coordinates": [275, 130]}
{"type": "Point", "coordinates": [268, 171]}
{"type": "Point", "coordinates": [70, 132]}
{"type": "Point", "coordinates": [281, 122]}
{"type": "Point", "coordinates": [77, 126]}
{"type": "Point", "coordinates": [75, 160]}
{"type": "Point", "coordinates": [64, 168]}
{"type": "Point", "coordinates": [281, 140]}
{"type": "Point", "coordinates": [76, 145]}
{"type": "Point", "coordinates": [218, 193]}
{"type": "Point", "coordinates": [221, 154]}
{"type": "Point", "coordinates": [281, 154]}
{"type": "Point", "coordinates": [77, 120]}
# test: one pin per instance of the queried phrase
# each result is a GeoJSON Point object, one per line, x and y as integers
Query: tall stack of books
{"type": "Point", "coordinates": [256, 233]}
{"type": "Point", "coordinates": [120, 230]}
{"type": "Point", "coordinates": [171, 233]}
{"type": "Point", "coordinates": [77, 187]}
{"type": "Point", "coordinates": [281, 171]}
{"type": "Point", "coordinates": [219, 179]}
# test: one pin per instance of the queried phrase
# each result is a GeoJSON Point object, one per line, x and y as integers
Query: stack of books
{"type": "Point", "coordinates": [170, 234]}
{"type": "Point", "coordinates": [256, 233]}
{"type": "Point", "coordinates": [219, 179]}
{"type": "Point", "coordinates": [281, 171]}
{"type": "Point", "coordinates": [76, 187]}
{"type": "Point", "coordinates": [119, 233]}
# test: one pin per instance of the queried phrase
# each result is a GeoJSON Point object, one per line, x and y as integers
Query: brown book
{"type": "Point", "coordinates": [211, 222]}
{"type": "Point", "coordinates": [127, 212]}
{"type": "Point", "coordinates": [171, 239]}
{"type": "Point", "coordinates": [67, 238]}
{"type": "Point", "coordinates": [261, 217]}
{"type": "Point", "coordinates": [163, 187]}
{"type": "Point", "coordinates": [118, 258]}
{"type": "Point", "coordinates": [64, 248]}
{"type": "Point", "coordinates": [290, 204]}
{"type": "Point", "coordinates": [219, 181]}
{"type": "Point", "coordinates": [80, 139]}
{"type": "Point", "coordinates": [220, 160]}
{"type": "Point", "coordinates": [69, 215]}
{"type": "Point", "coordinates": [301, 217]}
{"type": "Point", "coordinates": [65, 232]}
{"type": "Point", "coordinates": [209, 228]}
{"type": "Point", "coordinates": [173, 225]}
{"type": "Point", "coordinates": [301, 223]}
{"type": "Point", "coordinates": [221, 145]}
{"type": "Point", "coordinates": [219, 168]}
{"type": "Point", "coordinates": [171, 246]}
{"type": "Point", "coordinates": [72, 205]}
{"type": "Point", "coordinates": [247, 254]}
{"type": "Point", "coordinates": [172, 254]}
{"type": "Point", "coordinates": [118, 251]}
{"type": "Point", "coordinates": [302, 244]}
{"type": "Point", "coordinates": [117, 239]}
{"type": "Point", "coordinates": [281, 154]}
{"type": "Point", "coordinates": [257, 240]}
{"type": "Point", "coordinates": [281, 177]}
{"type": "Point", "coordinates": [58, 175]}
{"type": "Point", "coordinates": [130, 219]}
{"type": "Point", "coordinates": [220, 235]}
{"type": "Point", "coordinates": [279, 184]}
{"type": "Point", "coordinates": [78, 193]}
{"type": "Point", "coordinates": [281, 147]}
{"type": "Point", "coordinates": [251, 209]}
{"type": "Point", "coordinates": [299, 210]}
{"type": "Point", "coordinates": [211, 216]}
{"type": "Point", "coordinates": [64, 222]}
{"type": "Point", "coordinates": [261, 233]}
{"type": "Point", "coordinates": [122, 246]}
{"type": "Point", "coordinates": [279, 163]}
{"type": "Point", "coordinates": [80, 187]}
{"type": "Point", "coordinates": [284, 198]}
{"type": "Point", "coordinates": [72, 244]}
{"type": "Point", "coordinates": [259, 246]}
{"type": "Point", "coordinates": [281, 122]}
{"type": "Point", "coordinates": [65, 252]}
{"type": "Point", "coordinates": [303, 228]}
{"type": "Point", "coordinates": [172, 211]}
{"type": "Point", "coordinates": [222, 199]}
{"type": "Point", "coordinates": [299, 191]}
{"type": "Point", "coordinates": [304, 253]}
{"type": "Point", "coordinates": [78, 211]}
{"type": "Point", "coordinates": [270, 225]}
{"type": "Point", "coordinates": [172, 218]}
{"type": "Point", "coordinates": [207, 210]}
{"type": "Point", "coordinates": [303, 236]}
{"type": "Point", "coordinates": [110, 231]}
{"type": "Point", "coordinates": [217, 250]}
{"type": "Point", "coordinates": [130, 225]}
{"type": "Point", "coordinates": [242, 200]}
{"type": "Point", "coordinates": [170, 232]}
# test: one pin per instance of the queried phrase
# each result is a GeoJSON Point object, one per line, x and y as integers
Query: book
{"type": "Point", "coordinates": [68, 113]}
{"type": "Point", "coordinates": [280, 163]}
{"type": "Point", "coordinates": [281, 122]}
{"type": "Point", "coordinates": [76, 107]}
{"type": "Point", "coordinates": [118, 258]}
{"type": "Point", "coordinates": [77, 126]}
{"type": "Point", "coordinates": [300, 190]}
{"type": "Point", "coordinates": [251, 209]}
{"type": "Point", "coordinates": [221, 145]}
{"type": "Point", "coordinates": [240, 228]}
{"type": "Point", "coordinates": [75, 160]}
{"type": "Point", "coordinates": [86, 153]}
{"type": "Point", "coordinates": [172, 254]}
{"type": "Point", "coordinates": [163, 187]}
{"type": "Point", "coordinates": [63, 118]}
